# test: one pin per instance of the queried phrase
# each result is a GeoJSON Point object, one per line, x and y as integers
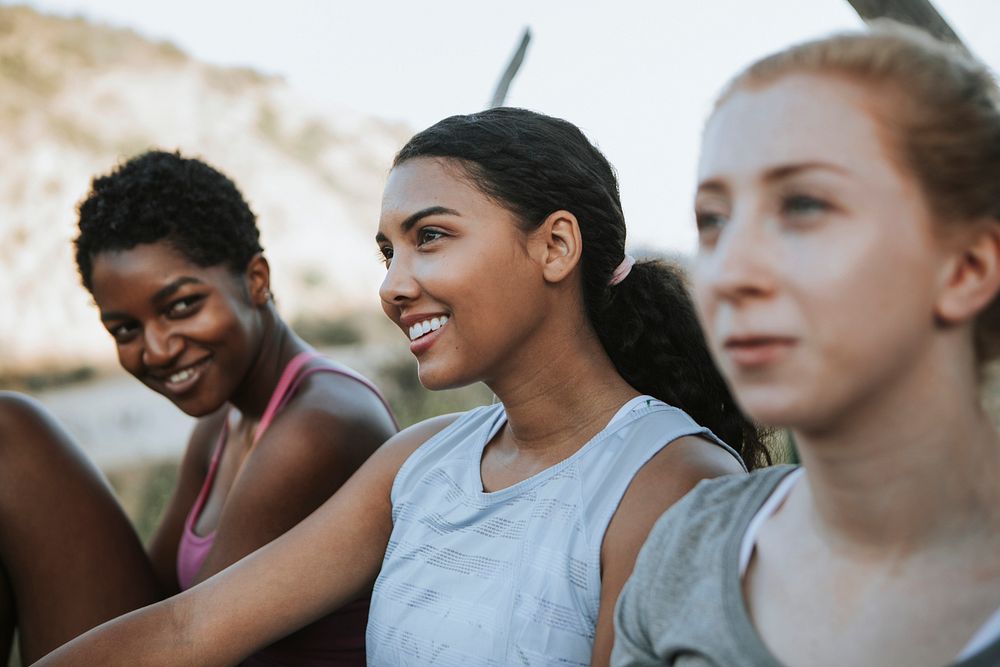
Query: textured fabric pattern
{"type": "Point", "coordinates": [683, 604]}
{"type": "Point", "coordinates": [511, 577]}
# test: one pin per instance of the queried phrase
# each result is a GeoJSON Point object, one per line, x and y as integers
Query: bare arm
{"type": "Point", "coordinates": [664, 480]}
{"type": "Point", "coordinates": [320, 564]}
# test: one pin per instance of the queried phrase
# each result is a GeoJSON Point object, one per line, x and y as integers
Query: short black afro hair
{"type": "Point", "coordinates": [160, 196]}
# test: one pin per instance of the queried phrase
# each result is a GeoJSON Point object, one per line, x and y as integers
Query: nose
{"type": "Point", "coordinates": [161, 345]}
{"type": "Point", "coordinates": [742, 262]}
{"type": "Point", "coordinates": [399, 285]}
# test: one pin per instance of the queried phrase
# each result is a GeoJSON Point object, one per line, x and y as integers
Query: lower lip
{"type": "Point", "coordinates": [757, 354]}
{"type": "Point", "coordinates": [184, 386]}
{"type": "Point", "coordinates": [421, 345]}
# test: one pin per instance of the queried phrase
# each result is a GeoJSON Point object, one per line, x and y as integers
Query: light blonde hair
{"type": "Point", "coordinates": [939, 109]}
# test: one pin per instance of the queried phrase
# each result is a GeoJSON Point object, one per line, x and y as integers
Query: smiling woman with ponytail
{"type": "Point", "coordinates": [502, 535]}
{"type": "Point", "coordinates": [640, 310]}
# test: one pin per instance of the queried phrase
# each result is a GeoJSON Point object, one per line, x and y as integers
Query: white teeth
{"type": "Point", "coordinates": [426, 326]}
{"type": "Point", "coordinates": [180, 376]}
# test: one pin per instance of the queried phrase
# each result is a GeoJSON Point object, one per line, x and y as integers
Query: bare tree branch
{"type": "Point", "coordinates": [500, 94]}
{"type": "Point", "coordinates": [919, 13]}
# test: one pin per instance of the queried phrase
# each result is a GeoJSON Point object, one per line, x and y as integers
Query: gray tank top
{"type": "Point", "coordinates": [511, 577]}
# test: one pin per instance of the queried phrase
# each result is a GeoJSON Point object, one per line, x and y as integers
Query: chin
{"type": "Point", "coordinates": [196, 406]}
{"type": "Point", "coordinates": [775, 407]}
{"type": "Point", "coordinates": [435, 379]}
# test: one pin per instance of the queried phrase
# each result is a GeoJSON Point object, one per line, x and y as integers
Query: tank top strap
{"type": "Point", "coordinates": [293, 376]}
{"type": "Point", "coordinates": [277, 399]}
{"type": "Point", "coordinates": [206, 486]}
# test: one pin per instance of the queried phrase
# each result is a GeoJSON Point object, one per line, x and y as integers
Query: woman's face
{"type": "Point", "coordinates": [459, 281]}
{"type": "Point", "coordinates": [818, 268]}
{"type": "Point", "coordinates": [185, 331]}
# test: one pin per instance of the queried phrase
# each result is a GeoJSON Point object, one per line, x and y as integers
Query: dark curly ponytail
{"type": "Point", "coordinates": [532, 165]}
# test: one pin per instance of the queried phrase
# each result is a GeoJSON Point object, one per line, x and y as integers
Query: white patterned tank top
{"type": "Point", "coordinates": [513, 577]}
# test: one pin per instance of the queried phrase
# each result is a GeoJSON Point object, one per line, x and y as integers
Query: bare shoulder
{"type": "Point", "coordinates": [683, 463]}
{"type": "Point", "coordinates": [403, 444]}
{"type": "Point", "coordinates": [661, 482]}
{"type": "Point", "coordinates": [332, 420]}
{"type": "Point", "coordinates": [341, 397]}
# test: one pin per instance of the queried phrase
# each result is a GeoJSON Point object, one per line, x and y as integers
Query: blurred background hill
{"type": "Point", "coordinates": [76, 98]}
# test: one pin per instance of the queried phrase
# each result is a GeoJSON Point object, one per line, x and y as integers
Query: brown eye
{"type": "Point", "coordinates": [185, 306]}
{"type": "Point", "coordinates": [123, 332]}
{"type": "Point", "coordinates": [385, 254]}
{"type": "Point", "coordinates": [428, 235]}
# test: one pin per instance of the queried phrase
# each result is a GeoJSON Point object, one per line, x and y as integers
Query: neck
{"type": "Point", "coordinates": [560, 394]}
{"type": "Point", "coordinates": [277, 345]}
{"type": "Point", "coordinates": [914, 465]}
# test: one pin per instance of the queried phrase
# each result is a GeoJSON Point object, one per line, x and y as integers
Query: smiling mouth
{"type": "Point", "coordinates": [421, 329]}
{"type": "Point", "coordinates": [184, 379]}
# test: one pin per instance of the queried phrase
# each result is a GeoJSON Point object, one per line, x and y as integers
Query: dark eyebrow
{"type": "Point", "coordinates": [413, 219]}
{"type": "Point", "coordinates": [161, 294]}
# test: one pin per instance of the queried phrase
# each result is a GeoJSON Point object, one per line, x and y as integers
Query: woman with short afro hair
{"type": "Point", "coordinates": [170, 252]}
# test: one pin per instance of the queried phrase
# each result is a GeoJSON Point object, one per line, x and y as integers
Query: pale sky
{"type": "Point", "coordinates": [638, 77]}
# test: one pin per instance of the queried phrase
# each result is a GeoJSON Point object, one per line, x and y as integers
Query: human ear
{"type": "Point", "coordinates": [973, 275]}
{"type": "Point", "coordinates": [258, 280]}
{"type": "Point", "coordinates": [561, 245]}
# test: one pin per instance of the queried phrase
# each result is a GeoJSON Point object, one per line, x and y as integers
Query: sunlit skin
{"type": "Point", "coordinates": [210, 340]}
{"type": "Point", "coordinates": [452, 252]}
{"type": "Point", "coordinates": [838, 305]}
{"type": "Point", "coordinates": [167, 315]}
{"type": "Point", "coordinates": [515, 321]}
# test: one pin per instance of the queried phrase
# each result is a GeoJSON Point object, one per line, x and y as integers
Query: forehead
{"type": "Point", "coordinates": [798, 119]}
{"type": "Point", "coordinates": [423, 183]}
{"type": "Point", "coordinates": [159, 257]}
{"type": "Point", "coordinates": [146, 268]}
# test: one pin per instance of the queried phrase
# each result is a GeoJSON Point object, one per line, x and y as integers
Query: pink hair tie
{"type": "Point", "coordinates": [622, 270]}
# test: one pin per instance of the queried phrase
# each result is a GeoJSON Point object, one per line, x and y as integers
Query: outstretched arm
{"type": "Point", "coordinates": [322, 563]}
{"type": "Point", "coordinates": [313, 447]}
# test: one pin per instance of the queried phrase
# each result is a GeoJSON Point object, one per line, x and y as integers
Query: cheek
{"type": "Point", "coordinates": [702, 294]}
{"type": "Point", "coordinates": [392, 312]}
{"type": "Point", "coordinates": [128, 358]}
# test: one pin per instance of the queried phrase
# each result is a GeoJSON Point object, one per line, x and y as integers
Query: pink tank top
{"type": "Point", "coordinates": [338, 640]}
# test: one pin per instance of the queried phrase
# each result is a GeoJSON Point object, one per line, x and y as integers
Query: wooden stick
{"type": "Point", "coordinates": [918, 13]}
{"type": "Point", "coordinates": [500, 94]}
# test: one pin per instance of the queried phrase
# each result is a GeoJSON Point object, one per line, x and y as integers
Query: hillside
{"type": "Point", "coordinates": [76, 98]}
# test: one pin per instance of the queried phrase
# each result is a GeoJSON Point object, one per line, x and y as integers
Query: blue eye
{"type": "Point", "coordinates": [709, 226]}
{"type": "Point", "coordinates": [803, 205]}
